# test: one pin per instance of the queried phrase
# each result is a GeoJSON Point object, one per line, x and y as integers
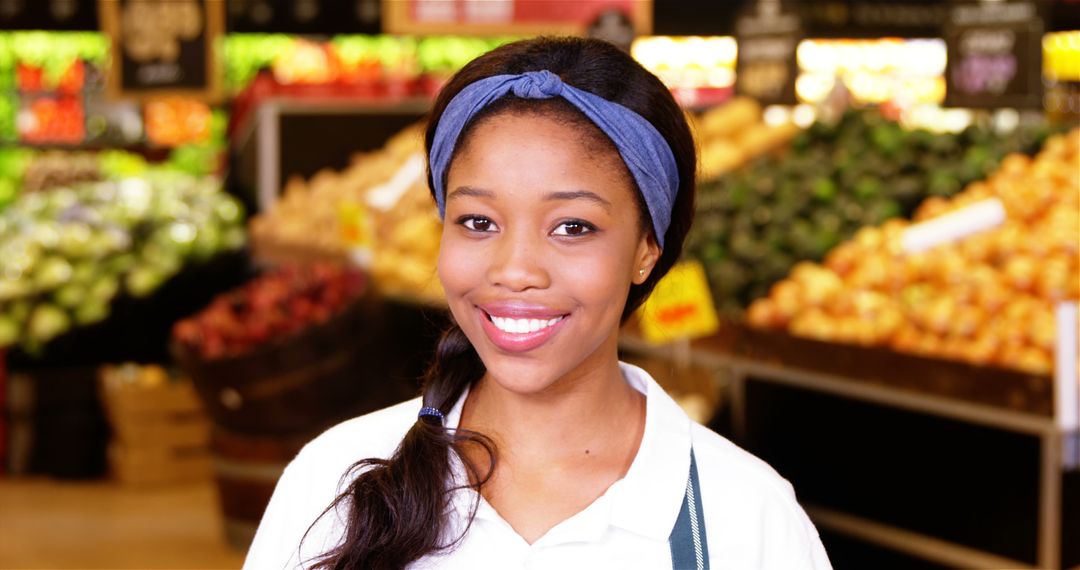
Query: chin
{"type": "Point", "coordinates": [523, 375]}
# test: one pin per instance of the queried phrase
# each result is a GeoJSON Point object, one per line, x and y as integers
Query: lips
{"type": "Point", "coordinates": [520, 328]}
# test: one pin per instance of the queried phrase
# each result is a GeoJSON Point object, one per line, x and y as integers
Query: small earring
{"type": "Point", "coordinates": [641, 272]}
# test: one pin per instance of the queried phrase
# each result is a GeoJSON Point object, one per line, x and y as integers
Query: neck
{"type": "Point", "coordinates": [589, 411]}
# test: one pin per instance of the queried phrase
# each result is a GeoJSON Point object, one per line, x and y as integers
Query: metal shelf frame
{"type": "Point", "coordinates": [738, 372]}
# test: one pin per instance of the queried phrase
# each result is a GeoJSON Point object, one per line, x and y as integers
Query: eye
{"type": "Point", "coordinates": [478, 224]}
{"type": "Point", "coordinates": [573, 228]}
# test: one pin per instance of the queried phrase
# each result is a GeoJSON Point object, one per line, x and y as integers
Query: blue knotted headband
{"type": "Point", "coordinates": [643, 149]}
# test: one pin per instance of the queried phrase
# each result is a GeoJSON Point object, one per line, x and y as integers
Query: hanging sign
{"type": "Point", "coordinates": [767, 36]}
{"type": "Point", "coordinates": [994, 55]}
{"type": "Point", "coordinates": [163, 48]}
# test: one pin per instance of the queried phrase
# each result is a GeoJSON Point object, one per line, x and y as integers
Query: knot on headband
{"type": "Point", "coordinates": [541, 84]}
{"type": "Point", "coordinates": [643, 149]}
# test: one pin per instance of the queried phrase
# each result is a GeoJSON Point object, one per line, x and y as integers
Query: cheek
{"type": "Point", "coordinates": [598, 278]}
{"type": "Point", "coordinates": [459, 265]}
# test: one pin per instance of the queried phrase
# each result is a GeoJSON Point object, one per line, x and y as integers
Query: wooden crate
{"type": "Point", "coordinates": [159, 465]}
{"type": "Point", "coordinates": [160, 433]}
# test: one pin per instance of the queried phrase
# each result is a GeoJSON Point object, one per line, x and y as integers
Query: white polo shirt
{"type": "Point", "coordinates": [751, 517]}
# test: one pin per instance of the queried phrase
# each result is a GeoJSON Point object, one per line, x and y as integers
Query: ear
{"type": "Point", "coordinates": [645, 258]}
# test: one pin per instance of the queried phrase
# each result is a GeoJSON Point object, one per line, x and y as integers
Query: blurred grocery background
{"type": "Point", "coordinates": [216, 240]}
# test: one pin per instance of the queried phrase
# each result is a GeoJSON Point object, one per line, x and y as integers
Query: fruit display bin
{"type": "Point", "coordinates": [918, 462]}
{"type": "Point", "coordinates": [267, 403]}
{"type": "Point", "coordinates": [137, 329]}
{"type": "Point", "coordinates": [999, 388]}
{"type": "Point", "coordinates": [362, 359]}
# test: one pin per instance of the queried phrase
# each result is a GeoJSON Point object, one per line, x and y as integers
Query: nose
{"type": "Point", "coordinates": [517, 263]}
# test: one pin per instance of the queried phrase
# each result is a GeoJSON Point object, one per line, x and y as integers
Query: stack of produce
{"type": "Point", "coordinates": [275, 306]}
{"type": "Point", "coordinates": [66, 254]}
{"type": "Point", "coordinates": [986, 299]}
{"type": "Point", "coordinates": [175, 121]}
{"type": "Point", "coordinates": [382, 195]}
{"type": "Point", "coordinates": [753, 225]}
{"type": "Point", "coordinates": [394, 63]}
{"type": "Point", "coordinates": [54, 168]}
{"type": "Point", "coordinates": [24, 170]}
{"type": "Point", "coordinates": [732, 134]}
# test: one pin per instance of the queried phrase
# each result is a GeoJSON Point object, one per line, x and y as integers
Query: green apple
{"type": "Point", "coordinates": [47, 322]}
{"type": "Point", "coordinates": [9, 331]}
{"type": "Point", "coordinates": [70, 296]}
{"type": "Point", "coordinates": [91, 312]}
{"type": "Point", "coordinates": [52, 272]}
{"type": "Point", "coordinates": [143, 280]}
{"type": "Point", "coordinates": [104, 289]}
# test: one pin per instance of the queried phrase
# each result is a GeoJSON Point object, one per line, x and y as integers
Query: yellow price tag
{"type": "Point", "coordinates": [357, 232]}
{"type": "Point", "coordinates": [681, 306]}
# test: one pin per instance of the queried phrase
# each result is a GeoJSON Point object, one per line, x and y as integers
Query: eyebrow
{"type": "Point", "coordinates": [579, 195]}
{"type": "Point", "coordinates": [469, 191]}
{"type": "Point", "coordinates": [551, 196]}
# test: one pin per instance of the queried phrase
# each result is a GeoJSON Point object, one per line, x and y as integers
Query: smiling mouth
{"type": "Point", "coordinates": [522, 326]}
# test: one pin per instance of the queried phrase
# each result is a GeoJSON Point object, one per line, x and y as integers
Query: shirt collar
{"type": "Point", "coordinates": [647, 499]}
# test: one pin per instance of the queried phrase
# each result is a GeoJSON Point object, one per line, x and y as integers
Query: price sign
{"type": "Point", "coordinates": [163, 48]}
{"type": "Point", "coordinates": [994, 55]}
{"type": "Point", "coordinates": [767, 37]}
{"type": "Point", "coordinates": [681, 306]}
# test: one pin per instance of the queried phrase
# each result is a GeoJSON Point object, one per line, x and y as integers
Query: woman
{"type": "Point", "coordinates": [565, 175]}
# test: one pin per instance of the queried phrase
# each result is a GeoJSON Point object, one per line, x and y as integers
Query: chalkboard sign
{"type": "Point", "coordinates": [163, 48]}
{"type": "Point", "coordinates": [994, 55]}
{"type": "Point", "coordinates": [768, 36]}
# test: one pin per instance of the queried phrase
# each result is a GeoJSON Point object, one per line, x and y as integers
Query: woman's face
{"type": "Point", "coordinates": [540, 245]}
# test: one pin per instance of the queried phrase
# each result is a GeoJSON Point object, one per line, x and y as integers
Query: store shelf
{"type": "Point", "coordinates": [277, 138]}
{"type": "Point", "coordinates": [966, 453]}
{"type": "Point", "coordinates": [869, 369]}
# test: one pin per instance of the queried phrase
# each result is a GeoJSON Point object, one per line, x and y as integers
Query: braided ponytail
{"type": "Point", "coordinates": [393, 503]}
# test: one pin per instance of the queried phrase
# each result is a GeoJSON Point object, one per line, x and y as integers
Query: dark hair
{"type": "Point", "coordinates": [398, 506]}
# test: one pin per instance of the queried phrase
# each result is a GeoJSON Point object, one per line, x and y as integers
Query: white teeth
{"type": "Point", "coordinates": [522, 326]}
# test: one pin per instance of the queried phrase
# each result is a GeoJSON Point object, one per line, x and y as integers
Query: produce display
{"type": "Point", "coordinates": [380, 202]}
{"type": "Point", "coordinates": [51, 61]}
{"type": "Point", "coordinates": [274, 306]}
{"type": "Point", "coordinates": [65, 255]}
{"type": "Point", "coordinates": [54, 169]}
{"type": "Point", "coordinates": [753, 225]}
{"type": "Point", "coordinates": [174, 121]}
{"type": "Point", "coordinates": [47, 119]}
{"type": "Point", "coordinates": [732, 134]}
{"type": "Point", "coordinates": [25, 170]}
{"type": "Point", "coordinates": [986, 299]}
{"type": "Point", "coordinates": [42, 77]}
{"type": "Point", "coordinates": [385, 61]}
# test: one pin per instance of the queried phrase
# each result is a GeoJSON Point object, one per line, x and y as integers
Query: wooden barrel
{"type": "Point", "coordinates": [298, 384]}
{"type": "Point", "coordinates": [246, 470]}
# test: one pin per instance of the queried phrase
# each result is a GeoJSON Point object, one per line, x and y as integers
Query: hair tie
{"type": "Point", "coordinates": [644, 150]}
{"type": "Point", "coordinates": [429, 411]}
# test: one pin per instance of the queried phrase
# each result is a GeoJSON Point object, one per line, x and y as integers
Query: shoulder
{"type": "Point", "coordinates": [373, 435]}
{"type": "Point", "coordinates": [747, 503]}
{"type": "Point", "coordinates": [719, 459]}
{"type": "Point", "coordinates": [295, 525]}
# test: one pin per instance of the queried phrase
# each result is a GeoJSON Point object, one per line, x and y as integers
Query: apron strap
{"type": "Point", "coordinates": [689, 549]}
